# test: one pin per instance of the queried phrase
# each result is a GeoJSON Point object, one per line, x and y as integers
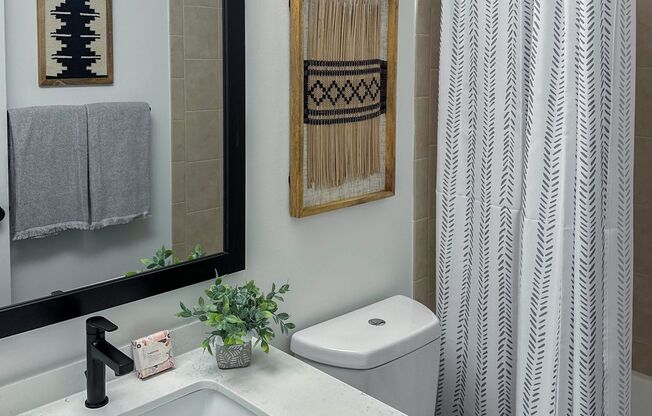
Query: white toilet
{"type": "Point", "coordinates": [389, 350]}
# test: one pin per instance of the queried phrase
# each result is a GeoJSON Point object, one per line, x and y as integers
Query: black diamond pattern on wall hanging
{"type": "Point", "coordinates": [75, 42]}
{"type": "Point", "coordinates": [345, 91]}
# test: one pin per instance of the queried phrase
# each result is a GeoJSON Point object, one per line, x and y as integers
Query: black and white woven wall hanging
{"type": "Point", "coordinates": [343, 103]}
{"type": "Point", "coordinates": [75, 42]}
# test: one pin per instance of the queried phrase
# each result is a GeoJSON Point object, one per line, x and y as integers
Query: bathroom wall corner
{"type": "Point", "coordinates": [425, 150]}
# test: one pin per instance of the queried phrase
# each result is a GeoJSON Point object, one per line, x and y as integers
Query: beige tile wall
{"type": "Point", "coordinates": [642, 348]}
{"type": "Point", "coordinates": [197, 119]}
{"type": "Point", "coordinates": [425, 149]}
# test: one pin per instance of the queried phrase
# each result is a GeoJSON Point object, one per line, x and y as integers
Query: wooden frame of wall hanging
{"type": "Point", "coordinates": [336, 160]}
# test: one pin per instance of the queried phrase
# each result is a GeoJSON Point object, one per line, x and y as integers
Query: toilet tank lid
{"type": "Point", "coordinates": [370, 336]}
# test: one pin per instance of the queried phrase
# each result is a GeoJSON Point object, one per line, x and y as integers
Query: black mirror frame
{"type": "Point", "coordinates": [23, 317]}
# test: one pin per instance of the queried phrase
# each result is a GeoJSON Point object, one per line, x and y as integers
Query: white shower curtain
{"type": "Point", "coordinates": [534, 207]}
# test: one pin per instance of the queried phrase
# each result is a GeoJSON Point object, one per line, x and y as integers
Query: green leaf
{"type": "Point", "coordinates": [264, 346]}
{"type": "Point", "coordinates": [206, 345]}
{"type": "Point", "coordinates": [283, 316]}
{"type": "Point", "coordinates": [258, 340]}
{"type": "Point", "coordinates": [232, 319]}
{"type": "Point", "coordinates": [214, 318]}
{"type": "Point", "coordinates": [234, 339]}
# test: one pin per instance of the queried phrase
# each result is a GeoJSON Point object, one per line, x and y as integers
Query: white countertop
{"type": "Point", "coordinates": [276, 384]}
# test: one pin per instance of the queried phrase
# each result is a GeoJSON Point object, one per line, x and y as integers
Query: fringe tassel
{"type": "Point", "coordinates": [343, 152]}
{"type": "Point", "coordinates": [343, 30]}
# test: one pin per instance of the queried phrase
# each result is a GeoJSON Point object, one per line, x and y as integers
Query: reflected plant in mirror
{"type": "Point", "coordinates": [164, 257]}
{"type": "Point", "coordinates": [235, 314]}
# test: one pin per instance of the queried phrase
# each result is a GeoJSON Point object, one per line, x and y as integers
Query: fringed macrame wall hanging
{"type": "Point", "coordinates": [342, 103]}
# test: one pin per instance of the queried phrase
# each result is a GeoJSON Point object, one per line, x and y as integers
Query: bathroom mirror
{"type": "Point", "coordinates": [117, 191]}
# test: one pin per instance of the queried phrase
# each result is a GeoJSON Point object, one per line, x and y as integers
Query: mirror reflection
{"type": "Point", "coordinates": [115, 142]}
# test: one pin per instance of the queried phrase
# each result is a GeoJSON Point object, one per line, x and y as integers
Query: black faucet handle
{"type": "Point", "coordinates": [98, 325]}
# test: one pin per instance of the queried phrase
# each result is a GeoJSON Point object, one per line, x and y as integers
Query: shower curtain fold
{"type": "Point", "coordinates": [534, 207]}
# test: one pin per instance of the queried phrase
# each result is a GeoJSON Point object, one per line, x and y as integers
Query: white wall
{"type": "Point", "coordinates": [641, 394]}
{"type": "Point", "coordinates": [5, 266]}
{"type": "Point", "coordinates": [338, 260]}
{"type": "Point", "coordinates": [141, 54]}
{"type": "Point", "coordinates": [335, 262]}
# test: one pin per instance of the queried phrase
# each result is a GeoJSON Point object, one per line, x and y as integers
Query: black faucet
{"type": "Point", "coordinates": [99, 354]}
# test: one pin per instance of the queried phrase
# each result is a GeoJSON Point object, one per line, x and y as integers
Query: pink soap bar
{"type": "Point", "coordinates": [153, 354]}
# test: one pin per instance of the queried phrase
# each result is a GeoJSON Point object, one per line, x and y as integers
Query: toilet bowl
{"type": "Point", "coordinates": [389, 350]}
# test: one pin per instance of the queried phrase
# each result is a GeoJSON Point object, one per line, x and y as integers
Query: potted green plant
{"type": "Point", "coordinates": [235, 314]}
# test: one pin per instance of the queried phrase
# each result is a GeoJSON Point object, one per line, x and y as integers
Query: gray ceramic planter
{"type": "Point", "coordinates": [234, 356]}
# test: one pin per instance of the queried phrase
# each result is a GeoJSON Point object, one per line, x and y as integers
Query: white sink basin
{"type": "Point", "coordinates": [201, 403]}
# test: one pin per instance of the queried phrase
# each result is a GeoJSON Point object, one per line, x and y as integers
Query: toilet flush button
{"type": "Point", "coordinates": [376, 322]}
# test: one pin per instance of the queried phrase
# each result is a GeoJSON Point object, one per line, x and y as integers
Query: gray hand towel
{"type": "Point", "coordinates": [48, 162]}
{"type": "Point", "coordinates": [118, 162]}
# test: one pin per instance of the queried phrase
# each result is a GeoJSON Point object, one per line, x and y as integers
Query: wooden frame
{"type": "Point", "coordinates": [61, 306]}
{"type": "Point", "coordinates": [297, 207]}
{"type": "Point", "coordinates": [45, 81]}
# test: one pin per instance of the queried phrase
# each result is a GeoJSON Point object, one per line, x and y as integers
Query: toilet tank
{"type": "Point", "coordinates": [389, 350]}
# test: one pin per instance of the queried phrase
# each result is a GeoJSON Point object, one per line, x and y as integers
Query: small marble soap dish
{"type": "Point", "coordinates": [153, 354]}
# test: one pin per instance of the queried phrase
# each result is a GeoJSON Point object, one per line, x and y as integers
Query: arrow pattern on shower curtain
{"type": "Point", "coordinates": [534, 205]}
